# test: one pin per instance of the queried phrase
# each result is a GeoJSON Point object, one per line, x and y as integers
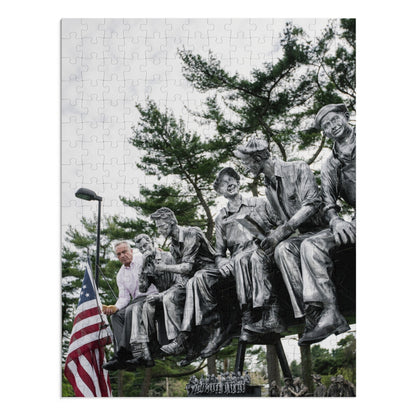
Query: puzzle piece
{"type": "Point", "coordinates": [111, 65]}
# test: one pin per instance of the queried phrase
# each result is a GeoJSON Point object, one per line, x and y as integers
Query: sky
{"type": "Point", "coordinates": [110, 65]}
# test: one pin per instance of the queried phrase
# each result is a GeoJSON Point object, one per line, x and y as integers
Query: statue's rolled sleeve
{"type": "Point", "coordinates": [329, 184]}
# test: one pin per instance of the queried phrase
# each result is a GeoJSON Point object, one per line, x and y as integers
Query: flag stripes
{"type": "Point", "coordinates": [90, 333]}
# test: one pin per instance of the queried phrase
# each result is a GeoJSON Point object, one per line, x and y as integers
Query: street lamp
{"type": "Point", "coordinates": [88, 195]}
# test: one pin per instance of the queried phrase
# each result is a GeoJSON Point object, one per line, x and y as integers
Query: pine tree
{"type": "Point", "coordinates": [187, 160]}
{"type": "Point", "coordinates": [278, 102]}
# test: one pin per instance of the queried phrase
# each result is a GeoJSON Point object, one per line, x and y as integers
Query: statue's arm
{"type": "Point", "coordinates": [309, 195]}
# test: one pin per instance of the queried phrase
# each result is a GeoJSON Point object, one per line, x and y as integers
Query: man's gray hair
{"type": "Point", "coordinates": [119, 243]}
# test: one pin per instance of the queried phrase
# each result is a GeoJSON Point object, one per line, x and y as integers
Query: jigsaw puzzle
{"type": "Point", "coordinates": [110, 66]}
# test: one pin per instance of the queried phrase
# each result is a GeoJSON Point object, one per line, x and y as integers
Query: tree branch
{"type": "Point", "coordinates": [315, 155]}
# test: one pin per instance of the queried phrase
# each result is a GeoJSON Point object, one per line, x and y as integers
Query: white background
{"type": "Point", "coordinates": [30, 78]}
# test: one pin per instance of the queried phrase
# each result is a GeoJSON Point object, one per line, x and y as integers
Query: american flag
{"type": "Point", "coordinates": [90, 333]}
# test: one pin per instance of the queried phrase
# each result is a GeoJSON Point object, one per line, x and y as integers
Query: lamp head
{"type": "Point", "coordinates": [87, 195]}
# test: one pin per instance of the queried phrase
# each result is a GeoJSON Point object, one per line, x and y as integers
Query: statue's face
{"type": "Point", "coordinates": [229, 186]}
{"type": "Point", "coordinates": [253, 164]}
{"type": "Point", "coordinates": [125, 254]}
{"type": "Point", "coordinates": [144, 245]}
{"type": "Point", "coordinates": [334, 125]}
{"type": "Point", "coordinates": [164, 227]}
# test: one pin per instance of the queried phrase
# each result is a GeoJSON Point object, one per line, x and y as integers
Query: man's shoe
{"type": "Point", "coordinates": [263, 327]}
{"type": "Point", "coordinates": [174, 348]}
{"type": "Point", "coordinates": [313, 314]}
{"type": "Point", "coordinates": [269, 322]}
{"type": "Point", "coordinates": [135, 362]}
{"type": "Point", "coordinates": [330, 322]}
{"type": "Point", "coordinates": [113, 364]}
{"type": "Point", "coordinates": [219, 339]}
{"type": "Point", "coordinates": [141, 356]}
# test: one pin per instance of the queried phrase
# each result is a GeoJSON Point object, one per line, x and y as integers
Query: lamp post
{"type": "Point", "coordinates": [88, 195]}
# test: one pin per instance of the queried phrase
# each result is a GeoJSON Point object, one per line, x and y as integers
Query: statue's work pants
{"type": "Point", "coordinates": [306, 265]}
{"type": "Point", "coordinates": [144, 327]}
{"type": "Point", "coordinates": [254, 280]}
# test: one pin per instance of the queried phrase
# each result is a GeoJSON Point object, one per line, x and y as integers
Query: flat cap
{"type": "Point", "coordinates": [252, 146]}
{"type": "Point", "coordinates": [334, 108]}
{"type": "Point", "coordinates": [227, 170]}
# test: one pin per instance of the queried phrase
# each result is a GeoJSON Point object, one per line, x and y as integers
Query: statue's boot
{"type": "Point", "coordinates": [313, 312]}
{"type": "Point", "coordinates": [269, 322]}
{"type": "Point", "coordinates": [141, 355]}
{"type": "Point", "coordinates": [330, 321]}
{"type": "Point", "coordinates": [247, 318]}
{"type": "Point", "coordinates": [217, 339]}
{"type": "Point", "coordinates": [177, 346]}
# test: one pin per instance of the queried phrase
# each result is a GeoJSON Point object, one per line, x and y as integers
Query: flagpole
{"type": "Point", "coordinates": [89, 195]}
{"type": "Point", "coordinates": [97, 255]}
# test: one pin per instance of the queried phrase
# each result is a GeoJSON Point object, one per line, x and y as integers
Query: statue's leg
{"type": "Point", "coordinates": [323, 317]}
{"type": "Point", "coordinates": [287, 257]}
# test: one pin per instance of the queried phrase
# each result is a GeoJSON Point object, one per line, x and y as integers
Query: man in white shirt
{"type": "Point", "coordinates": [121, 312]}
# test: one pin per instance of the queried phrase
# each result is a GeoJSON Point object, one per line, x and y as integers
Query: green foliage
{"type": "Point", "coordinates": [307, 75]}
{"type": "Point", "coordinates": [184, 204]}
{"type": "Point", "coordinates": [340, 360]}
{"type": "Point", "coordinates": [295, 369]}
{"type": "Point", "coordinates": [168, 150]}
{"type": "Point", "coordinates": [67, 390]}
{"type": "Point", "coordinates": [166, 380]}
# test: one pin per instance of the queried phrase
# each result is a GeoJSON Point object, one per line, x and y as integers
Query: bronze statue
{"type": "Point", "coordinates": [334, 388]}
{"type": "Point", "coordinates": [345, 388]}
{"type": "Point", "coordinates": [226, 384]}
{"type": "Point", "coordinates": [292, 191]}
{"type": "Point", "coordinates": [287, 387]}
{"type": "Point", "coordinates": [320, 389]}
{"type": "Point", "coordinates": [167, 303]}
{"type": "Point", "coordinates": [338, 181]}
{"type": "Point", "coordinates": [238, 254]}
{"type": "Point", "coordinates": [274, 389]}
{"type": "Point", "coordinates": [298, 389]}
{"type": "Point", "coordinates": [195, 262]}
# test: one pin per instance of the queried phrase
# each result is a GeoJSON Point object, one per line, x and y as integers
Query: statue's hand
{"type": "Point", "coordinates": [152, 299]}
{"type": "Point", "coordinates": [275, 237]}
{"type": "Point", "coordinates": [344, 231]}
{"type": "Point", "coordinates": [226, 270]}
{"type": "Point", "coordinates": [268, 245]}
